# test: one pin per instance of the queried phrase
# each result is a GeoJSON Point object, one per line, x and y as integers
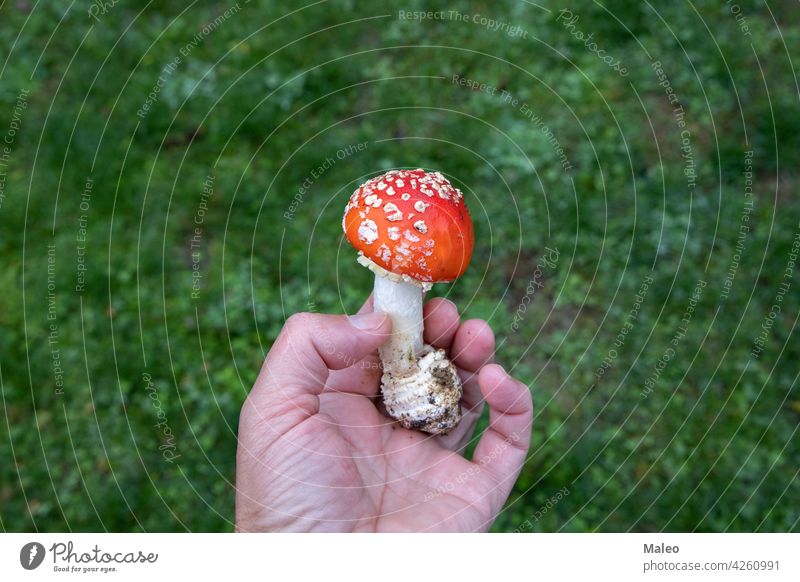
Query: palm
{"type": "Point", "coordinates": [369, 474]}
{"type": "Point", "coordinates": [347, 467]}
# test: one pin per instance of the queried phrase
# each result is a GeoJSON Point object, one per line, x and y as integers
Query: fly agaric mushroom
{"type": "Point", "coordinates": [412, 229]}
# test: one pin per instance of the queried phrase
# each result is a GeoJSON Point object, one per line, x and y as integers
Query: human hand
{"type": "Point", "coordinates": [315, 453]}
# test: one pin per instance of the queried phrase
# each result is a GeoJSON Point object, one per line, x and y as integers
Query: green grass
{"type": "Point", "coordinates": [260, 103]}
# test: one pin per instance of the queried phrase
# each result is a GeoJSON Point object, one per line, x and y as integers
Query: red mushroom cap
{"type": "Point", "coordinates": [412, 223]}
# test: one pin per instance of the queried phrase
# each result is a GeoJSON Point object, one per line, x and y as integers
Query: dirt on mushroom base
{"type": "Point", "coordinates": [435, 410]}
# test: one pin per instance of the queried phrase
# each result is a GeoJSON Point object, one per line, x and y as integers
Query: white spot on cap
{"type": "Point", "coordinates": [381, 185]}
{"type": "Point", "coordinates": [420, 226]}
{"type": "Point", "coordinates": [406, 196]}
{"type": "Point", "coordinates": [368, 231]}
{"type": "Point", "coordinates": [373, 200]}
{"type": "Point", "coordinates": [392, 212]}
{"type": "Point", "coordinates": [394, 232]}
{"type": "Point", "coordinates": [390, 191]}
{"type": "Point", "coordinates": [399, 183]}
{"type": "Point", "coordinates": [411, 236]}
{"type": "Point", "coordinates": [420, 206]}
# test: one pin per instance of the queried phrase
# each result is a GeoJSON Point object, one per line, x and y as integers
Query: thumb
{"type": "Point", "coordinates": [308, 347]}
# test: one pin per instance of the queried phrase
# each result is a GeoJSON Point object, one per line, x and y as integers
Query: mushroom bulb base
{"type": "Point", "coordinates": [427, 397]}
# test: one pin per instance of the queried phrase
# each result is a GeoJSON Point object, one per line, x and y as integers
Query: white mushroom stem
{"type": "Point", "coordinates": [402, 301]}
{"type": "Point", "coordinates": [421, 387]}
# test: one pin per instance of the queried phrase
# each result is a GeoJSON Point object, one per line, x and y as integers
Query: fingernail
{"type": "Point", "coordinates": [367, 321]}
{"type": "Point", "coordinates": [501, 368]}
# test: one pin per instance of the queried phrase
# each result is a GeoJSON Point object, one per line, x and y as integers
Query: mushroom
{"type": "Point", "coordinates": [412, 228]}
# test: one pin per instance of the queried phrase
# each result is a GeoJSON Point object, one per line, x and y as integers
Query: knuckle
{"type": "Point", "coordinates": [298, 322]}
{"type": "Point", "coordinates": [248, 414]}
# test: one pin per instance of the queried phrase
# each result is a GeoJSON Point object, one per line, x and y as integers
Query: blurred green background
{"type": "Point", "coordinates": [665, 380]}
